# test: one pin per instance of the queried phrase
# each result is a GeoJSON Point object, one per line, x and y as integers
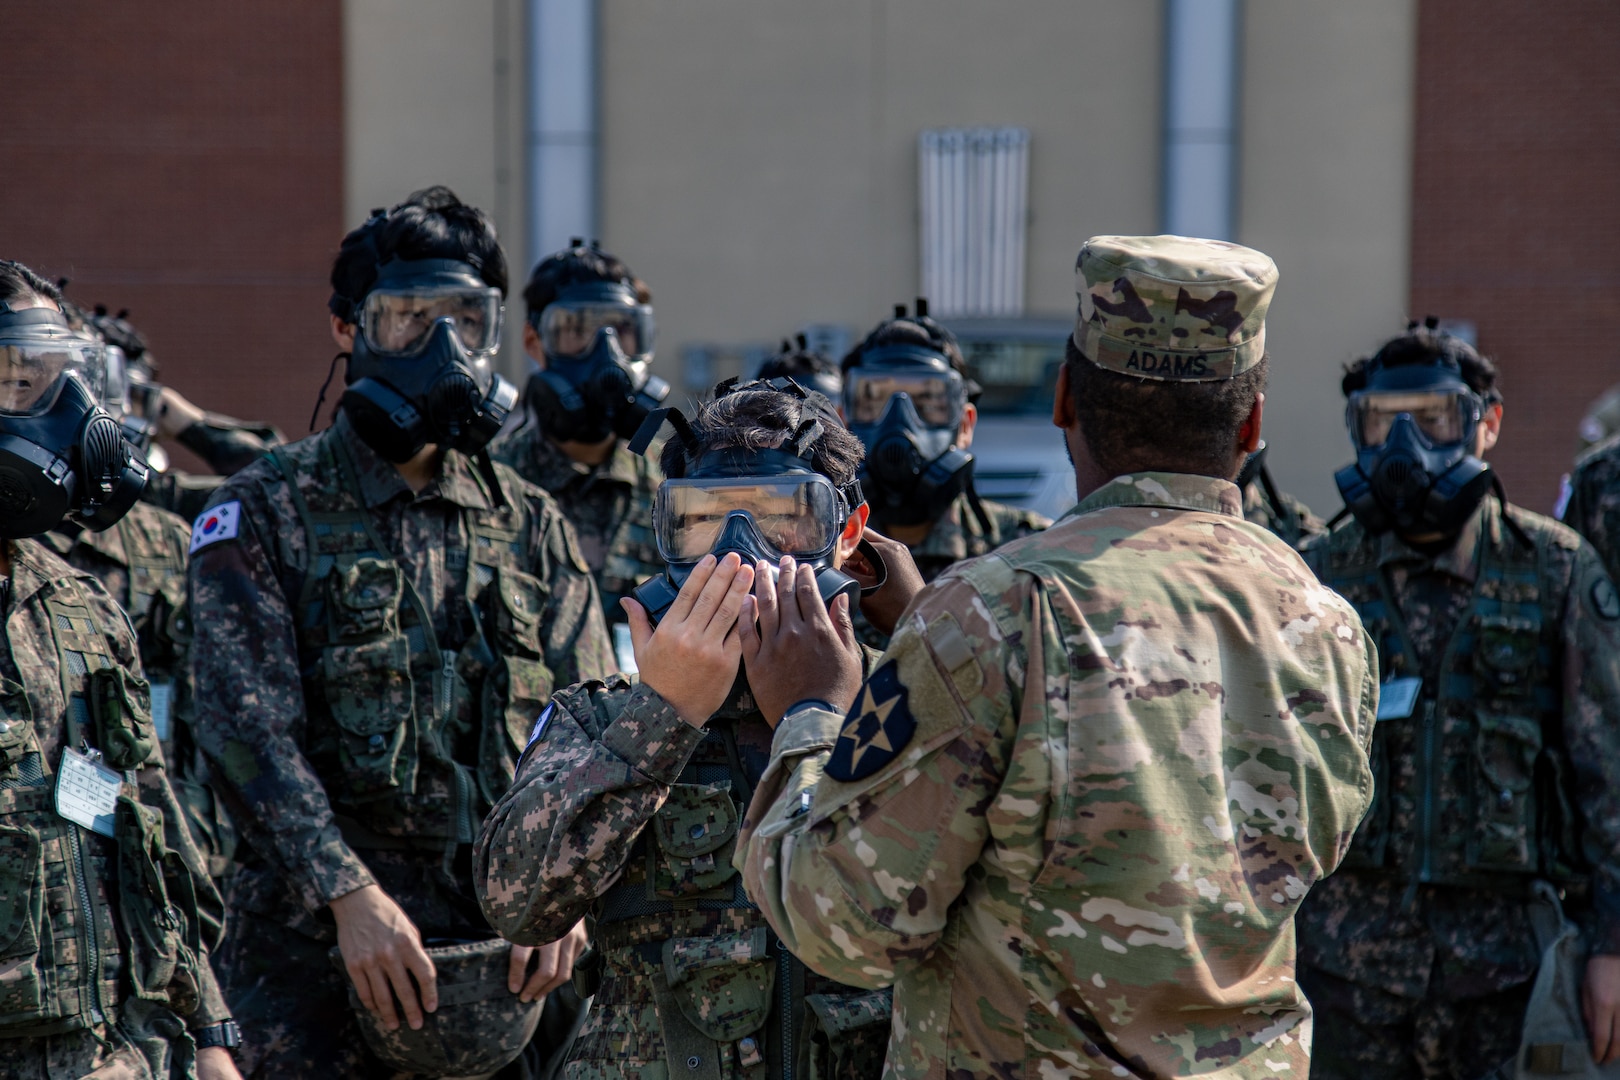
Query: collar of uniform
{"type": "Point", "coordinates": [108, 543]}
{"type": "Point", "coordinates": [1460, 560]}
{"type": "Point", "coordinates": [380, 482]}
{"type": "Point", "coordinates": [1178, 491]}
{"type": "Point", "coordinates": [555, 470]}
{"type": "Point", "coordinates": [33, 566]}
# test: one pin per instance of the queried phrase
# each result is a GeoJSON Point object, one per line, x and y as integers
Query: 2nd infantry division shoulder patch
{"type": "Point", "coordinates": [218, 523]}
{"type": "Point", "coordinates": [877, 728]}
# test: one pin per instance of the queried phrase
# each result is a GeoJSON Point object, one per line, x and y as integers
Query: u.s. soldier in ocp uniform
{"type": "Point", "coordinates": [1072, 812]}
{"type": "Point", "coordinates": [380, 614]}
{"type": "Point", "coordinates": [1497, 752]}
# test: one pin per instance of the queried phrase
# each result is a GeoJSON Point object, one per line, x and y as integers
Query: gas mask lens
{"type": "Point", "coordinates": [1443, 416]}
{"type": "Point", "coordinates": [795, 515]}
{"type": "Point", "coordinates": [933, 395]}
{"type": "Point", "coordinates": [34, 367]}
{"type": "Point", "coordinates": [398, 322]}
{"type": "Point", "coordinates": [568, 328]}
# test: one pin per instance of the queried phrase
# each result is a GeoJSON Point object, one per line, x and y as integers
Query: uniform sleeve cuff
{"type": "Point", "coordinates": [334, 871]}
{"type": "Point", "coordinates": [651, 737]}
{"type": "Point", "coordinates": [806, 732]}
{"type": "Point", "coordinates": [211, 1007]}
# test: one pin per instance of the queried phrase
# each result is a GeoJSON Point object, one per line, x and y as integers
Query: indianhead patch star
{"type": "Point", "coordinates": [877, 728]}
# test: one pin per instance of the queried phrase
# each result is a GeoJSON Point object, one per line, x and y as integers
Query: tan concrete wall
{"type": "Point", "coordinates": [434, 93]}
{"type": "Point", "coordinates": [760, 156]}
{"type": "Point", "coordinates": [1325, 189]}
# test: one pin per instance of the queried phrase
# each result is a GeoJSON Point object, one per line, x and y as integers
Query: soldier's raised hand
{"type": "Point", "coordinates": [691, 658]}
{"type": "Point", "coordinates": [800, 649]}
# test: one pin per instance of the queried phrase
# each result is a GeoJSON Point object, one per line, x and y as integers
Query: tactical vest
{"type": "Point", "coordinates": [730, 1000]}
{"type": "Point", "coordinates": [156, 605]}
{"type": "Point", "coordinates": [387, 702]}
{"type": "Point", "coordinates": [87, 922]}
{"type": "Point", "coordinates": [1489, 799]}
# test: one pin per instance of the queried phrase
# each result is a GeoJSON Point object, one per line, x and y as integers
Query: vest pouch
{"type": "Point", "coordinates": [16, 724]}
{"type": "Point", "coordinates": [158, 908]}
{"type": "Point", "coordinates": [368, 688]}
{"type": "Point", "coordinates": [22, 915]}
{"type": "Point", "coordinates": [695, 832]}
{"type": "Point", "coordinates": [1502, 782]}
{"type": "Point", "coordinates": [722, 985]}
{"type": "Point", "coordinates": [513, 603]}
{"type": "Point", "coordinates": [1369, 848]}
{"type": "Point", "coordinates": [515, 693]}
{"type": "Point", "coordinates": [848, 1034]}
{"type": "Point", "coordinates": [121, 705]}
{"type": "Point", "coordinates": [362, 600]}
{"type": "Point", "coordinates": [1505, 656]}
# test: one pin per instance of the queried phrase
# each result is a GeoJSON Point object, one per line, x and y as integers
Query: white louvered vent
{"type": "Point", "coordinates": [975, 194]}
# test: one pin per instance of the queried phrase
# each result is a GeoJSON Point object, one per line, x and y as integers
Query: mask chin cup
{"type": "Point", "coordinates": [385, 419]}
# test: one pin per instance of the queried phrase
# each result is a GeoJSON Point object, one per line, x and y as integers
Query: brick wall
{"type": "Point", "coordinates": [185, 160]}
{"type": "Point", "coordinates": [1516, 209]}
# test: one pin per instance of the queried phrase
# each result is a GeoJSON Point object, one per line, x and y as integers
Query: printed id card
{"type": "Point", "coordinates": [1398, 697]}
{"type": "Point", "coordinates": [87, 791]}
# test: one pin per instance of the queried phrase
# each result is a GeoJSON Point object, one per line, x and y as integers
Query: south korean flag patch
{"type": "Point", "coordinates": [219, 523]}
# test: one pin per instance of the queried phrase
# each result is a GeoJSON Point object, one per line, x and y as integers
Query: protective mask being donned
{"type": "Point", "coordinates": [1413, 430]}
{"type": "Point", "coordinates": [422, 367]}
{"type": "Point", "coordinates": [61, 454]}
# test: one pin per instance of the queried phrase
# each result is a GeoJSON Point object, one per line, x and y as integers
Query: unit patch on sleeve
{"type": "Point", "coordinates": [877, 728]}
{"type": "Point", "coordinates": [219, 523]}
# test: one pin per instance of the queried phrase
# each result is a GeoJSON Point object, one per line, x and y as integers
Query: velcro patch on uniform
{"type": "Point", "coordinates": [950, 644]}
{"type": "Point", "coordinates": [221, 522]}
{"type": "Point", "coordinates": [539, 730]}
{"type": "Point", "coordinates": [878, 726]}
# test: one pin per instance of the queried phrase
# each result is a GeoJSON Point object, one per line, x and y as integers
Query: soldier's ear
{"type": "Point", "coordinates": [1249, 433]}
{"type": "Point", "coordinates": [1063, 415]}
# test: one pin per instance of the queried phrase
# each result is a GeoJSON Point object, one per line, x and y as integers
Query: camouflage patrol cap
{"type": "Point", "coordinates": [1172, 308]}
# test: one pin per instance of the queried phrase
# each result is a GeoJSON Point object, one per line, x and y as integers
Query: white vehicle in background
{"type": "Point", "coordinates": [1018, 456]}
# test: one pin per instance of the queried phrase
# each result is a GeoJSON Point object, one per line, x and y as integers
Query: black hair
{"type": "Point", "coordinates": [430, 224]}
{"type": "Point", "coordinates": [17, 282]}
{"type": "Point", "coordinates": [920, 330]}
{"type": "Point", "coordinates": [1132, 424]}
{"type": "Point", "coordinates": [757, 416]}
{"type": "Point", "coordinates": [796, 359]}
{"type": "Point", "coordinates": [1426, 343]}
{"type": "Point", "coordinates": [118, 330]}
{"type": "Point", "coordinates": [579, 264]}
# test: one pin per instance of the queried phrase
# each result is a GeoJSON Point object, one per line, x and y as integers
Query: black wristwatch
{"type": "Point", "coordinates": [226, 1033]}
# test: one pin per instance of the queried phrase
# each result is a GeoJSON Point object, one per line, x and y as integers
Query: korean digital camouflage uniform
{"type": "Point", "coordinates": [1285, 515]}
{"type": "Point", "coordinates": [1593, 509]}
{"type": "Point", "coordinates": [610, 507]}
{"type": "Point", "coordinates": [1512, 743]}
{"type": "Point", "coordinates": [141, 562]}
{"type": "Point", "coordinates": [368, 665]}
{"type": "Point", "coordinates": [1072, 813]}
{"type": "Point", "coordinates": [958, 534]}
{"type": "Point", "coordinates": [623, 810]}
{"type": "Point", "coordinates": [104, 941]}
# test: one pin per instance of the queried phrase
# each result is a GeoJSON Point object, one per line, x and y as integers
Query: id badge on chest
{"type": "Point", "coordinates": [1398, 697]}
{"type": "Point", "coordinates": [87, 791]}
{"type": "Point", "coordinates": [162, 709]}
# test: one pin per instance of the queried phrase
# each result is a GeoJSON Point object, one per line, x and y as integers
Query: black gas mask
{"type": "Point", "coordinates": [760, 504]}
{"type": "Point", "coordinates": [61, 454]}
{"type": "Point", "coordinates": [1413, 430]}
{"type": "Point", "coordinates": [905, 402]}
{"type": "Point", "coordinates": [598, 342]}
{"type": "Point", "coordinates": [421, 370]}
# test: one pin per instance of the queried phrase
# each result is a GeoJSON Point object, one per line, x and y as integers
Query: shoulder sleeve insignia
{"type": "Point", "coordinates": [539, 730]}
{"type": "Point", "coordinates": [1604, 599]}
{"type": "Point", "coordinates": [877, 728]}
{"type": "Point", "coordinates": [221, 522]}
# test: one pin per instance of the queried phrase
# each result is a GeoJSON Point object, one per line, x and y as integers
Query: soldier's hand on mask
{"type": "Point", "coordinates": [691, 658]}
{"type": "Point", "coordinates": [382, 947]}
{"type": "Point", "coordinates": [884, 607]}
{"type": "Point", "coordinates": [216, 1063]}
{"type": "Point", "coordinates": [554, 966]}
{"type": "Point", "coordinates": [1600, 1007]}
{"type": "Point", "coordinates": [800, 649]}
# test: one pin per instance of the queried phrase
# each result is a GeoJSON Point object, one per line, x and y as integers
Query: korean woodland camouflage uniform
{"type": "Point", "coordinates": [1483, 788]}
{"type": "Point", "coordinates": [1072, 813]}
{"type": "Point", "coordinates": [623, 810]}
{"type": "Point", "coordinates": [141, 561]}
{"type": "Point", "coordinates": [368, 665]}
{"type": "Point", "coordinates": [104, 939]}
{"type": "Point", "coordinates": [609, 505]}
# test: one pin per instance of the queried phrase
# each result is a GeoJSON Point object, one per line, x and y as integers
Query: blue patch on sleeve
{"type": "Point", "coordinates": [878, 726]}
{"type": "Point", "coordinates": [539, 729]}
